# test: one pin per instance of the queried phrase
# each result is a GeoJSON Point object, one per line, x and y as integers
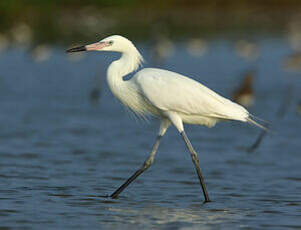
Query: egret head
{"type": "Point", "coordinates": [115, 43]}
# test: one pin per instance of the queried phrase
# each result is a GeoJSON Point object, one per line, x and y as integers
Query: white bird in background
{"type": "Point", "coordinates": [172, 97]}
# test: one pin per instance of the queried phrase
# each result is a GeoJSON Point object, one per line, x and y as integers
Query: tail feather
{"type": "Point", "coordinates": [249, 120]}
{"type": "Point", "coordinates": [259, 119]}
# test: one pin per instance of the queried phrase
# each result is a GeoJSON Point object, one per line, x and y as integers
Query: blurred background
{"type": "Point", "coordinates": [65, 142]}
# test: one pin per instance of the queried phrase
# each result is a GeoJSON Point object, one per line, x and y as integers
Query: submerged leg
{"type": "Point", "coordinates": [195, 160]}
{"type": "Point", "coordinates": [147, 163]}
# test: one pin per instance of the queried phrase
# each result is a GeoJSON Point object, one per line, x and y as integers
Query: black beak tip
{"type": "Point", "coordinates": [76, 49]}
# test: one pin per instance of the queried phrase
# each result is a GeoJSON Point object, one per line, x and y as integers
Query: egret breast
{"type": "Point", "coordinates": [135, 101]}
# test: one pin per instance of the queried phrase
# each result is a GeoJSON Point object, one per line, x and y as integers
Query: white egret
{"type": "Point", "coordinates": [247, 50]}
{"type": "Point", "coordinates": [172, 97]}
{"type": "Point", "coordinates": [41, 53]}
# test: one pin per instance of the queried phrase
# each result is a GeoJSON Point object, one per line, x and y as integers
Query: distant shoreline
{"type": "Point", "coordinates": [59, 21]}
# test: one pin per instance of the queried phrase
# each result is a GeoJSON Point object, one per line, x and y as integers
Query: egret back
{"type": "Point", "coordinates": [169, 91]}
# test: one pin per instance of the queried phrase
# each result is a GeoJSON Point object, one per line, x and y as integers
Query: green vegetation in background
{"type": "Point", "coordinates": [60, 20]}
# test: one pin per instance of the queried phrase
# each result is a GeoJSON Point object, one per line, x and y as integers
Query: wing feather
{"type": "Point", "coordinates": [169, 91]}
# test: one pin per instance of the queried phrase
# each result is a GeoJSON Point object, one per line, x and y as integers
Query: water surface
{"type": "Point", "coordinates": [60, 153]}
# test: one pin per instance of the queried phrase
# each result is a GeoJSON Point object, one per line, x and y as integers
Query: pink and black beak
{"type": "Point", "coordinates": [95, 46]}
{"type": "Point", "coordinates": [77, 49]}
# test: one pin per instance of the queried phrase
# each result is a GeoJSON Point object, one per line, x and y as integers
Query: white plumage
{"type": "Point", "coordinates": [170, 96]}
{"type": "Point", "coordinates": [160, 92]}
{"type": "Point", "coordinates": [192, 101]}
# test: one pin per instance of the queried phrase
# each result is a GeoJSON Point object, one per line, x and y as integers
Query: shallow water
{"type": "Point", "coordinates": [60, 153]}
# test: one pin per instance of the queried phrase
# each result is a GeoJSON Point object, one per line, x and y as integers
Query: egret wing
{"type": "Point", "coordinates": [169, 91]}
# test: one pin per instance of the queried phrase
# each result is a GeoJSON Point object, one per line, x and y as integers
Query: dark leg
{"type": "Point", "coordinates": [195, 160]}
{"type": "Point", "coordinates": [258, 141]}
{"type": "Point", "coordinates": [147, 163]}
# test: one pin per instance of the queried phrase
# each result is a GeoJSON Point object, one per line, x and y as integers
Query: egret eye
{"type": "Point", "coordinates": [110, 43]}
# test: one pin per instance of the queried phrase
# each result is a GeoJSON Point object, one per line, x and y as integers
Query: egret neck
{"type": "Point", "coordinates": [129, 61]}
